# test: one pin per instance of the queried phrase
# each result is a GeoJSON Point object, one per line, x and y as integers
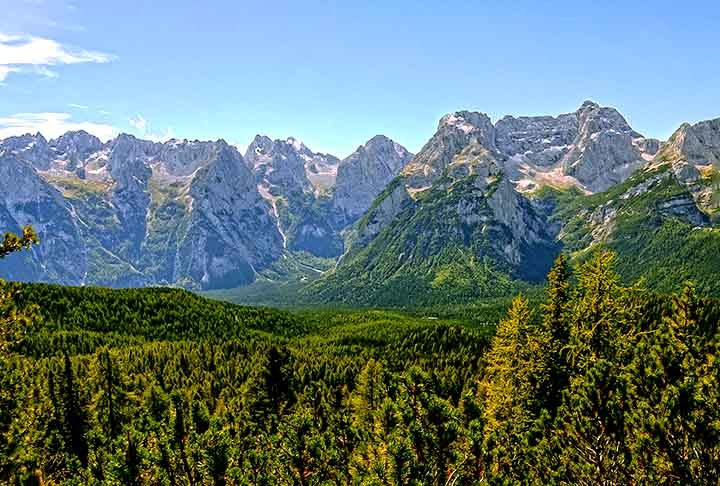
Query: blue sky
{"type": "Point", "coordinates": [334, 74]}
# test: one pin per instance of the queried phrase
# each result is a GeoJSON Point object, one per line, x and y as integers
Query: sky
{"type": "Point", "coordinates": [335, 73]}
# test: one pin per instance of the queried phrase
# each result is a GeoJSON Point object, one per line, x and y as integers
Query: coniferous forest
{"type": "Point", "coordinates": [595, 383]}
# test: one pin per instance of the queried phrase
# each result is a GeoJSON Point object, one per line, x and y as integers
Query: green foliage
{"type": "Point", "coordinates": [663, 249]}
{"type": "Point", "coordinates": [13, 242]}
{"type": "Point", "coordinates": [599, 384]}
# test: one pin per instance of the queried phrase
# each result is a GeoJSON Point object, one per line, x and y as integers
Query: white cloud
{"type": "Point", "coordinates": [78, 107]}
{"type": "Point", "coordinates": [138, 122]}
{"type": "Point", "coordinates": [19, 53]}
{"type": "Point", "coordinates": [5, 70]}
{"type": "Point", "coordinates": [51, 125]}
{"type": "Point", "coordinates": [147, 131]}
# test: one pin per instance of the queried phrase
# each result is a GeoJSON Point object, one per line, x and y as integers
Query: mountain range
{"type": "Point", "coordinates": [480, 211]}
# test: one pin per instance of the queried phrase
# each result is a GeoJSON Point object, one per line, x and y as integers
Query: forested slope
{"type": "Point", "coordinates": [600, 384]}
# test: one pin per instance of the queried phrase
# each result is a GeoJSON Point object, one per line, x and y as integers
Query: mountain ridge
{"type": "Point", "coordinates": [478, 204]}
{"type": "Point", "coordinates": [191, 213]}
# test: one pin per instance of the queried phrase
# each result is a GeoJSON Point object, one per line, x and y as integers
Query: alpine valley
{"type": "Point", "coordinates": [481, 211]}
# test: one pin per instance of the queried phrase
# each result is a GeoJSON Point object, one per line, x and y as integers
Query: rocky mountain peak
{"type": "Point", "coordinates": [76, 145]}
{"type": "Point", "coordinates": [588, 104]}
{"type": "Point", "coordinates": [31, 148]}
{"type": "Point", "coordinates": [698, 144]}
{"type": "Point", "coordinates": [594, 118]}
{"type": "Point", "coordinates": [381, 144]}
{"type": "Point", "coordinates": [291, 165]}
{"type": "Point", "coordinates": [182, 158]}
{"type": "Point", "coordinates": [363, 175]}
{"type": "Point", "coordinates": [606, 150]}
{"type": "Point", "coordinates": [466, 121]}
{"type": "Point", "coordinates": [455, 131]}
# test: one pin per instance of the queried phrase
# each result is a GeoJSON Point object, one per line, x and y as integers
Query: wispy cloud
{"type": "Point", "coordinates": [148, 132]}
{"type": "Point", "coordinates": [138, 122]}
{"type": "Point", "coordinates": [51, 125]}
{"type": "Point", "coordinates": [161, 136]}
{"type": "Point", "coordinates": [36, 54]}
{"type": "Point", "coordinates": [4, 71]}
{"type": "Point", "coordinates": [78, 107]}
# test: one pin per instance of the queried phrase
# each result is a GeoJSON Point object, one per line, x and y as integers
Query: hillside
{"type": "Point", "coordinates": [483, 210]}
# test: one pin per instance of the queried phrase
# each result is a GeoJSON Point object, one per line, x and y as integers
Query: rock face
{"type": "Point", "coordinates": [290, 165]}
{"type": "Point", "coordinates": [455, 131]}
{"type": "Point", "coordinates": [31, 148]}
{"type": "Point", "coordinates": [604, 152]}
{"type": "Point", "coordinates": [593, 147]}
{"type": "Point", "coordinates": [25, 197]}
{"type": "Point", "coordinates": [463, 197]}
{"type": "Point", "coordinates": [697, 144]}
{"type": "Point", "coordinates": [132, 212]}
{"type": "Point", "coordinates": [541, 140]}
{"type": "Point", "coordinates": [230, 232]}
{"type": "Point", "coordinates": [363, 175]}
{"type": "Point", "coordinates": [295, 182]}
{"type": "Point", "coordinates": [76, 146]}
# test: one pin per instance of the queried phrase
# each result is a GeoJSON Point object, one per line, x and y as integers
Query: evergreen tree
{"type": "Point", "coordinates": [12, 242]}
{"type": "Point", "coordinates": [110, 400]}
{"type": "Point", "coordinates": [73, 414]}
{"type": "Point", "coordinates": [591, 429]}
{"type": "Point", "coordinates": [509, 391]}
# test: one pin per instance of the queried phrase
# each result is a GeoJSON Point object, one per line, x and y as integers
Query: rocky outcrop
{"type": "Point", "coordinates": [293, 179]}
{"type": "Point", "coordinates": [280, 164]}
{"type": "Point", "coordinates": [290, 165]}
{"type": "Point", "coordinates": [26, 198]}
{"type": "Point", "coordinates": [230, 232]}
{"type": "Point", "coordinates": [541, 140]}
{"type": "Point", "coordinates": [593, 147]}
{"type": "Point", "coordinates": [697, 144]}
{"type": "Point", "coordinates": [455, 131]}
{"type": "Point", "coordinates": [391, 203]}
{"type": "Point", "coordinates": [133, 212]}
{"type": "Point", "coordinates": [604, 152]}
{"type": "Point", "coordinates": [682, 207]}
{"type": "Point", "coordinates": [363, 175]}
{"type": "Point", "coordinates": [74, 147]}
{"type": "Point", "coordinates": [30, 148]}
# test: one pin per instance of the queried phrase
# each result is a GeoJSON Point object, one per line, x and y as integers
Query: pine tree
{"type": "Point", "coordinates": [675, 398]}
{"type": "Point", "coordinates": [110, 400]}
{"type": "Point", "coordinates": [509, 393]}
{"type": "Point", "coordinates": [591, 425]}
{"type": "Point", "coordinates": [13, 242]}
{"type": "Point", "coordinates": [555, 335]}
{"type": "Point", "coordinates": [74, 416]}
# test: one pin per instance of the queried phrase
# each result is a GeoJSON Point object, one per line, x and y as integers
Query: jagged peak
{"type": "Point", "coordinates": [464, 120]}
{"type": "Point", "coordinates": [380, 141]}
{"type": "Point", "coordinates": [588, 104]}
{"type": "Point", "coordinates": [297, 144]}
{"type": "Point", "coordinates": [125, 137]}
{"type": "Point", "coordinates": [261, 139]}
{"type": "Point", "coordinates": [75, 133]}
